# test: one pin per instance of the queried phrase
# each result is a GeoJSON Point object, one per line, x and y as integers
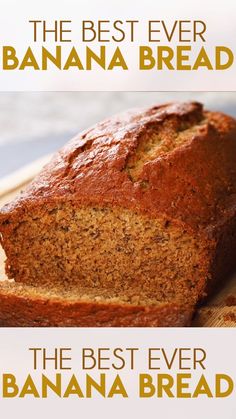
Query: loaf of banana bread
{"type": "Point", "coordinates": [142, 204]}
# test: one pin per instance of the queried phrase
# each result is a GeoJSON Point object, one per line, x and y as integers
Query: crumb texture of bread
{"type": "Point", "coordinates": [142, 204]}
{"type": "Point", "coordinates": [108, 248]}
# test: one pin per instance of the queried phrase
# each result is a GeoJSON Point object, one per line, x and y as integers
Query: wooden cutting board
{"type": "Point", "coordinates": [220, 311]}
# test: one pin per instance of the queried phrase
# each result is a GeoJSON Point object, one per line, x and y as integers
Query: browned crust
{"type": "Point", "coordinates": [195, 184]}
{"type": "Point", "coordinates": [224, 262]}
{"type": "Point", "coordinates": [38, 311]}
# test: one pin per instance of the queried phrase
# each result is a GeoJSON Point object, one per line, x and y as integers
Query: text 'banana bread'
{"type": "Point", "coordinates": [140, 208]}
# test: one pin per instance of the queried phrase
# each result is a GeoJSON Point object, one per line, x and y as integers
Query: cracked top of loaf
{"type": "Point", "coordinates": [175, 160]}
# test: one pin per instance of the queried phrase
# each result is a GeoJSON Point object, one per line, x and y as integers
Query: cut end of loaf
{"type": "Point", "coordinates": [107, 249]}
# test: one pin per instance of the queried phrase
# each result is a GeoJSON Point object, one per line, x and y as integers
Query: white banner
{"type": "Point", "coordinates": [117, 45]}
{"type": "Point", "coordinates": [118, 373]}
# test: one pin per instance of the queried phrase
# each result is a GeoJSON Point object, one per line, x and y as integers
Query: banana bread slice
{"type": "Point", "coordinates": [142, 203]}
{"type": "Point", "coordinates": [27, 306]}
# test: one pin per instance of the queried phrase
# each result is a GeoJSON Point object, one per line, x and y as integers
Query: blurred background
{"type": "Point", "coordinates": [34, 124]}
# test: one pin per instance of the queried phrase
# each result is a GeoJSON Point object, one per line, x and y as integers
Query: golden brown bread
{"type": "Point", "coordinates": [192, 181]}
{"type": "Point", "coordinates": [26, 306]}
{"type": "Point", "coordinates": [143, 204]}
